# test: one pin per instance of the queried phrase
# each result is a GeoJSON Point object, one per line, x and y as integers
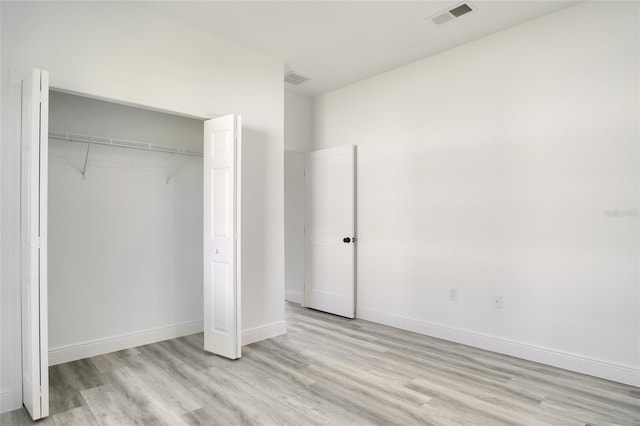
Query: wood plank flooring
{"type": "Point", "coordinates": [331, 371]}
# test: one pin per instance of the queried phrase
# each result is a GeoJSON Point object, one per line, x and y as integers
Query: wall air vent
{"type": "Point", "coordinates": [295, 79]}
{"type": "Point", "coordinates": [451, 14]}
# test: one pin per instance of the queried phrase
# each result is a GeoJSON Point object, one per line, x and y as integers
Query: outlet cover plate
{"type": "Point", "coordinates": [453, 294]}
{"type": "Point", "coordinates": [497, 302]}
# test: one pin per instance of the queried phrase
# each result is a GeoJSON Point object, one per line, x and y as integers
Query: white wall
{"type": "Point", "coordinates": [125, 247]}
{"type": "Point", "coordinates": [298, 132]}
{"type": "Point", "coordinates": [128, 52]}
{"type": "Point", "coordinates": [294, 226]}
{"type": "Point", "coordinates": [297, 141]}
{"type": "Point", "coordinates": [496, 168]}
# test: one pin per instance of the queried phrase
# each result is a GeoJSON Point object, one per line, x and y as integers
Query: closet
{"type": "Point", "coordinates": [125, 226]}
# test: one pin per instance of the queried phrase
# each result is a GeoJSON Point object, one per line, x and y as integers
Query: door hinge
{"type": "Point", "coordinates": [37, 242]}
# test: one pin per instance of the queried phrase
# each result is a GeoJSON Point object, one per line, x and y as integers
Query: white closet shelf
{"type": "Point", "coordinates": [121, 143]}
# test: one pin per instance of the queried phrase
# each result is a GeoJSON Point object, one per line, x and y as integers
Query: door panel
{"type": "Point", "coordinates": [222, 332]}
{"type": "Point", "coordinates": [33, 243]}
{"type": "Point", "coordinates": [329, 219]}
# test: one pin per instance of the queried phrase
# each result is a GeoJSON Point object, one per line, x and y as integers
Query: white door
{"type": "Point", "coordinates": [222, 147]}
{"type": "Point", "coordinates": [330, 230]}
{"type": "Point", "coordinates": [33, 243]}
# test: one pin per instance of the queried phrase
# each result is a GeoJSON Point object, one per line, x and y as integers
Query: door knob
{"type": "Point", "coordinates": [346, 240]}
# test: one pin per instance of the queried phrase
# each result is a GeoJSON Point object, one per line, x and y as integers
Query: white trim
{"type": "Point", "coordinates": [264, 332]}
{"type": "Point", "coordinates": [8, 400]}
{"type": "Point", "coordinates": [295, 149]}
{"type": "Point", "coordinates": [294, 296]}
{"type": "Point", "coordinates": [621, 373]}
{"type": "Point", "coordinates": [13, 153]}
{"type": "Point", "coordinates": [95, 347]}
{"type": "Point", "coordinates": [91, 348]}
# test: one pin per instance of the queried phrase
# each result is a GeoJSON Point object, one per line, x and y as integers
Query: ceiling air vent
{"type": "Point", "coordinates": [451, 14]}
{"type": "Point", "coordinates": [293, 78]}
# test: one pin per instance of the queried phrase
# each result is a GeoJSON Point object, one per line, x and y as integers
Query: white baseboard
{"type": "Point", "coordinates": [627, 374]}
{"type": "Point", "coordinates": [293, 296]}
{"type": "Point", "coordinates": [117, 343]}
{"type": "Point", "coordinates": [8, 401]}
{"type": "Point", "coordinates": [263, 332]}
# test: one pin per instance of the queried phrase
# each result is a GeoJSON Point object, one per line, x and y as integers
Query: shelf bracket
{"type": "Point", "coordinates": [174, 165]}
{"type": "Point", "coordinates": [86, 159]}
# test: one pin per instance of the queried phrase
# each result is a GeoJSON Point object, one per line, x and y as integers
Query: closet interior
{"type": "Point", "coordinates": [125, 223]}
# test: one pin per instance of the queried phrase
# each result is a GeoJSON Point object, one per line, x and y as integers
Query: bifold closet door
{"type": "Point", "coordinates": [33, 243]}
{"type": "Point", "coordinates": [222, 332]}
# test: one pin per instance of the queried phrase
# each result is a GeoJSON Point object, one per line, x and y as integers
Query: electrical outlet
{"type": "Point", "coordinates": [453, 294]}
{"type": "Point", "coordinates": [497, 302]}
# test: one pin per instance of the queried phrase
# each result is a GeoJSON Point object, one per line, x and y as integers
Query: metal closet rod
{"type": "Point", "coordinates": [121, 143]}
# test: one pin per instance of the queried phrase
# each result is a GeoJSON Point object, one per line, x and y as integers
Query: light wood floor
{"type": "Point", "coordinates": [328, 370]}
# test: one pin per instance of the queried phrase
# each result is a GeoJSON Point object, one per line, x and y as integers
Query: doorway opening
{"type": "Point", "coordinates": [130, 255]}
{"type": "Point", "coordinates": [125, 226]}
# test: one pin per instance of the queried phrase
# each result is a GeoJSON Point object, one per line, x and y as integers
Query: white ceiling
{"type": "Point", "coordinates": [336, 43]}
